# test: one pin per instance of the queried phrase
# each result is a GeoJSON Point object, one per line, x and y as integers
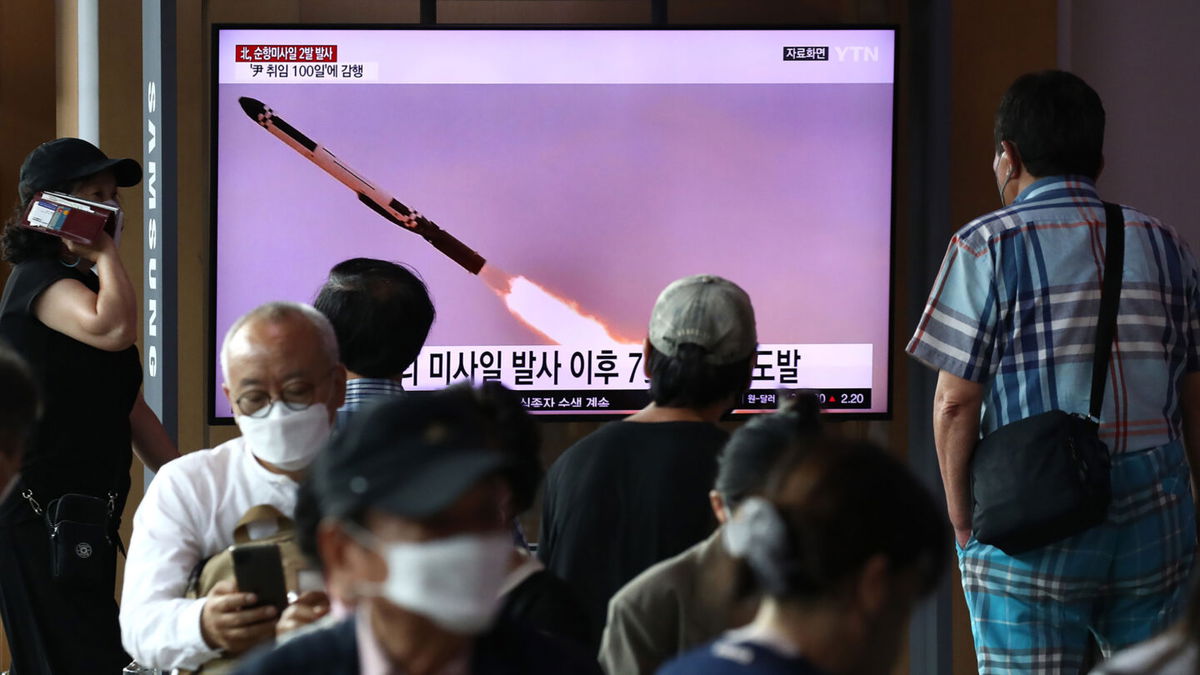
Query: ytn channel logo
{"type": "Point", "coordinates": [852, 54]}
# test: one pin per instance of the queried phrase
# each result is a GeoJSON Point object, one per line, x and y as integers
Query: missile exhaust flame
{"type": "Point", "coordinates": [557, 319]}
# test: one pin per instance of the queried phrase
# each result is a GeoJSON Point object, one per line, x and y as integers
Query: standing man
{"type": "Point", "coordinates": [381, 313]}
{"type": "Point", "coordinates": [1010, 326]}
{"type": "Point", "coordinates": [636, 491]}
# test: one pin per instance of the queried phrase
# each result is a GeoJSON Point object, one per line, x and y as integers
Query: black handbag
{"type": "Point", "coordinates": [1044, 478]}
{"type": "Point", "coordinates": [81, 540]}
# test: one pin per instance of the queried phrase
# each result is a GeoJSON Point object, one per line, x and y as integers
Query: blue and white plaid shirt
{"type": "Point", "coordinates": [363, 391]}
{"type": "Point", "coordinates": [1015, 307]}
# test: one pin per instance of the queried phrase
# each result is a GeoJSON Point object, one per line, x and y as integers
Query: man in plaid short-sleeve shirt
{"type": "Point", "coordinates": [1010, 325]}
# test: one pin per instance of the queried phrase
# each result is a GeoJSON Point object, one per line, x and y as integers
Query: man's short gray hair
{"type": "Point", "coordinates": [280, 311]}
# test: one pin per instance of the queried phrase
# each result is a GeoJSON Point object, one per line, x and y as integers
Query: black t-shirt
{"type": "Point", "coordinates": [82, 442]}
{"type": "Point", "coordinates": [546, 603]}
{"type": "Point", "coordinates": [625, 497]}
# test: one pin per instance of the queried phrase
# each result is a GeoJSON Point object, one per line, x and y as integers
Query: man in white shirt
{"type": "Point", "coordinates": [285, 383]}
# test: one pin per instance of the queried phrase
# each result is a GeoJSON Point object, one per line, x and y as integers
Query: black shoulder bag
{"type": "Point", "coordinates": [1044, 478]}
{"type": "Point", "coordinates": [83, 538]}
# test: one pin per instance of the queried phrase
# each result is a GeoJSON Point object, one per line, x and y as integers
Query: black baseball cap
{"type": "Point", "coordinates": [412, 456]}
{"type": "Point", "coordinates": [66, 159]}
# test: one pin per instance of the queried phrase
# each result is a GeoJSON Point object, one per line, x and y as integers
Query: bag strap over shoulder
{"type": "Point", "coordinates": [1110, 299]}
{"type": "Point", "coordinates": [241, 533]}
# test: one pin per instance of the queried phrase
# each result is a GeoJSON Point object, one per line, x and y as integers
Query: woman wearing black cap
{"type": "Point", "coordinates": [71, 311]}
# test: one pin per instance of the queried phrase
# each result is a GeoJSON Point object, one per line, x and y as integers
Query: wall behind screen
{"type": "Point", "coordinates": [1142, 60]}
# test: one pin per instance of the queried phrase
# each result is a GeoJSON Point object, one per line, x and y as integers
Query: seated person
{"type": "Point", "coordinates": [410, 493]}
{"type": "Point", "coordinates": [686, 601]}
{"type": "Point", "coordinates": [381, 313]}
{"type": "Point", "coordinates": [635, 492]}
{"type": "Point", "coordinates": [842, 546]}
{"type": "Point", "coordinates": [284, 381]}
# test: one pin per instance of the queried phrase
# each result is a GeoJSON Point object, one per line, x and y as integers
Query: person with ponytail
{"type": "Point", "coordinates": [685, 601]}
{"type": "Point", "coordinates": [841, 545]}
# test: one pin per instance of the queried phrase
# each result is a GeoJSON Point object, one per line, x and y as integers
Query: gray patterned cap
{"type": "Point", "coordinates": [708, 311]}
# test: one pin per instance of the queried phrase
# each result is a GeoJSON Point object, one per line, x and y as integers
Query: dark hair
{"type": "Point", "coordinates": [841, 503]}
{"type": "Point", "coordinates": [381, 313]}
{"type": "Point", "coordinates": [20, 403]}
{"type": "Point", "coordinates": [20, 244]}
{"type": "Point", "coordinates": [1056, 122]}
{"type": "Point", "coordinates": [686, 381]}
{"type": "Point", "coordinates": [512, 430]}
{"type": "Point", "coordinates": [755, 447]}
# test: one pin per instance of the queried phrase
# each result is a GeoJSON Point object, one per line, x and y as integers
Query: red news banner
{"type": "Point", "coordinates": [286, 53]}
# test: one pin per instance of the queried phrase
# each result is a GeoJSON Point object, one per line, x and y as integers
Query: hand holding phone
{"type": "Point", "coordinates": [230, 621]}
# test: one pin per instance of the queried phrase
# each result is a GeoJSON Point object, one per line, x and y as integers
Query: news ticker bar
{"type": "Point", "coordinates": [615, 401]}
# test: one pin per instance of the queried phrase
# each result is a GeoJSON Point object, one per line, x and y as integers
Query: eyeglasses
{"type": "Point", "coordinates": [258, 403]}
{"type": "Point", "coordinates": [296, 396]}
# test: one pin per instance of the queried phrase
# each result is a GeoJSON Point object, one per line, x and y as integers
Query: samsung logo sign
{"type": "Point", "coordinates": [151, 243]}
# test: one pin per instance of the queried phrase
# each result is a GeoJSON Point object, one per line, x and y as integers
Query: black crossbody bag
{"type": "Point", "coordinates": [82, 535]}
{"type": "Point", "coordinates": [1044, 478]}
{"type": "Point", "coordinates": [83, 538]}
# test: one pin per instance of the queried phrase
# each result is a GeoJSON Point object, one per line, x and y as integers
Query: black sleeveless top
{"type": "Point", "coordinates": [82, 442]}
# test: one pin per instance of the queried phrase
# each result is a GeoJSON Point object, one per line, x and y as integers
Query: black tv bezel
{"type": "Point", "coordinates": [214, 84]}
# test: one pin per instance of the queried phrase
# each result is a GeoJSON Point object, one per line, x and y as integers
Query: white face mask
{"type": "Point", "coordinates": [8, 489]}
{"type": "Point", "coordinates": [120, 225]}
{"type": "Point", "coordinates": [288, 439]}
{"type": "Point", "coordinates": [454, 582]}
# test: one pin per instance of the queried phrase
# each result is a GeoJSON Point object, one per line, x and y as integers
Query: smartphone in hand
{"type": "Point", "coordinates": [259, 570]}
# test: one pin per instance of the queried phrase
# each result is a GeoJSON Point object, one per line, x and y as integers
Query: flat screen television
{"type": "Point", "coordinates": [548, 183]}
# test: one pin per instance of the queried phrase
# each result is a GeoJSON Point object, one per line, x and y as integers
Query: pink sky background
{"type": "Point", "coordinates": [602, 193]}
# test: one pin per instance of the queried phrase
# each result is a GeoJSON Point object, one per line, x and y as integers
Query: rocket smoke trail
{"type": "Point", "coordinates": [556, 319]}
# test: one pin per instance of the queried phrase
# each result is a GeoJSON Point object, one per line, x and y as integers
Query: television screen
{"type": "Point", "coordinates": [548, 183]}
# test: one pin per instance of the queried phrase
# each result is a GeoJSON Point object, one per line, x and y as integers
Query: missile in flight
{"type": "Point", "coordinates": [368, 193]}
